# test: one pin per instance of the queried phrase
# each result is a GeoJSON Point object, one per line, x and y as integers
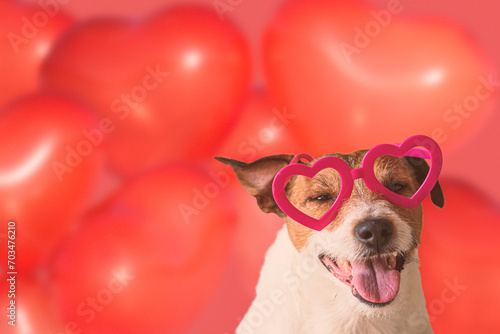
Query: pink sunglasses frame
{"type": "Point", "coordinates": [409, 147]}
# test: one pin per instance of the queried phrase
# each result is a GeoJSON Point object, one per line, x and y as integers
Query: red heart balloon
{"type": "Point", "coordinates": [357, 75]}
{"type": "Point", "coordinates": [28, 33]}
{"type": "Point", "coordinates": [170, 85]}
{"type": "Point", "coordinates": [167, 234]}
{"type": "Point", "coordinates": [50, 161]}
{"type": "Point", "coordinates": [262, 129]}
{"type": "Point", "coordinates": [460, 261]}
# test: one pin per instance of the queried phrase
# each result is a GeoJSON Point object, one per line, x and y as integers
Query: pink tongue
{"type": "Point", "coordinates": [374, 281]}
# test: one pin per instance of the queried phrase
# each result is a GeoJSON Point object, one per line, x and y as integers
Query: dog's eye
{"type": "Point", "coordinates": [321, 198]}
{"type": "Point", "coordinates": [398, 187]}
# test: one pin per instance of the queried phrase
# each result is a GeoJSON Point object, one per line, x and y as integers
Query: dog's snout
{"type": "Point", "coordinates": [375, 234]}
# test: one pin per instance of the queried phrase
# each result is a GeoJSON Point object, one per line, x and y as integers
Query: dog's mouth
{"type": "Point", "coordinates": [373, 280]}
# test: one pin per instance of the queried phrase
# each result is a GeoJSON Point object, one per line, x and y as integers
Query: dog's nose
{"type": "Point", "coordinates": [375, 234]}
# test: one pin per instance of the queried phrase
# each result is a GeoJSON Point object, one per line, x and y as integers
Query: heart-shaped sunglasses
{"type": "Point", "coordinates": [411, 147]}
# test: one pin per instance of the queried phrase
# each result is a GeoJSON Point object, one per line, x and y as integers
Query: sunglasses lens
{"type": "Point", "coordinates": [316, 195]}
{"type": "Point", "coordinates": [397, 175]}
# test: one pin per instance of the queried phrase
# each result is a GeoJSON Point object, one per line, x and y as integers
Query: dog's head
{"type": "Point", "coordinates": [369, 242]}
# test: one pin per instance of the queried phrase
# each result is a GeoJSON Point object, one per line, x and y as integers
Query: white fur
{"type": "Point", "coordinates": [296, 294]}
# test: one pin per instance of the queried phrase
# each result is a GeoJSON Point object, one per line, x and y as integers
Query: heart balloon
{"type": "Point", "coordinates": [28, 33]}
{"type": "Point", "coordinates": [152, 260]}
{"type": "Point", "coordinates": [357, 75]}
{"type": "Point", "coordinates": [460, 260]}
{"type": "Point", "coordinates": [50, 161]}
{"type": "Point", "coordinates": [262, 129]}
{"type": "Point", "coordinates": [170, 85]}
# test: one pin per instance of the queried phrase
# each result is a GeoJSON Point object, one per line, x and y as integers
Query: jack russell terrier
{"type": "Point", "coordinates": [359, 272]}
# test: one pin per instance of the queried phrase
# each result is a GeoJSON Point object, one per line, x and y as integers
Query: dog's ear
{"type": "Point", "coordinates": [257, 178]}
{"type": "Point", "coordinates": [421, 169]}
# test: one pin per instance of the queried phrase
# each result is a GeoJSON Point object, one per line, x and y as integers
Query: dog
{"type": "Point", "coordinates": [360, 274]}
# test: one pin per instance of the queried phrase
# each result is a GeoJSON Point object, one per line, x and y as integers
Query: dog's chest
{"type": "Point", "coordinates": [328, 309]}
{"type": "Point", "coordinates": [297, 295]}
